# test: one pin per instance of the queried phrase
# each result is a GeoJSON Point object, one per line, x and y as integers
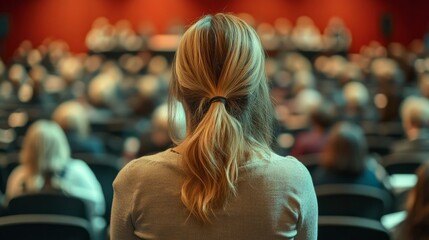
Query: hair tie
{"type": "Point", "coordinates": [217, 99]}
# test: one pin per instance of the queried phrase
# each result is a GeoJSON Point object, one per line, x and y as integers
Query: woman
{"type": "Point", "coordinates": [72, 118]}
{"type": "Point", "coordinates": [345, 159]}
{"type": "Point", "coordinates": [46, 165]}
{"type": "Point", "coordinates": [221, 181]}
{"type": "Point", "coordinates": [416, 224]}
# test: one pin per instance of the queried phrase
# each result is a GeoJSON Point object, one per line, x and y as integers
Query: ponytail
{"type": "Point", "coordinates": [211, 162]}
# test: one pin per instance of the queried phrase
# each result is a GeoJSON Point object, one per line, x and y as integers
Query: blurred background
{"type": "Point", "coordinates": [101, 68]}
{"type": "Point", "coordinates": [379, 20]}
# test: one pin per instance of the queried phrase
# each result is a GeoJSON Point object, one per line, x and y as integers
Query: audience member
{"type": "Point", "coordinates": [415, 121]}
{"type": "Point", "coordinates": [222, 181]}
{"type": "Point", "coordinates": [358, 106]}
{"type": "Point", "coordinates": [158, 138]}
{"type": "Point", "coordinates": [72, 118]}
{"type": "Point", "coordinates": [389, 83]}
{"type": "Point", "coordinates": [336, 36]}
{"type": "Point", "coordinates": [416, 223]}
{"type": "Point", "coordinates": [46, 165]}
{"type": "Point", "coordinates": [313, 141]}
{"type": "Point", "coordinates": [345, 159]}
{"type": "Point", "coordinates": [306, 36]}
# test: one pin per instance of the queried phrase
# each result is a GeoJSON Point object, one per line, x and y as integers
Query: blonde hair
{"type": "Point", "coordinates": [219, 55]}
{"type": "Point", "coordinates": [71, 116]}
{"type": "Point", "coordinates": [415, 112]}
{"type": "Point", "coordinates": [45, 149]}
{"type": "Point", "coordinates": [356, 94]}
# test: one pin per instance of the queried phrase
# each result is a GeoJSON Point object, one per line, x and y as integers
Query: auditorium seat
{"type": "Point", "coordinates": [350, 228]}
{"type": "Point", "coordinates": [48, 203]}
{"type": "Point", "coordinates": [352, 200]}
{"type": "Point", "coordinates": [44, 227]}
{"type": "Point", "coordinates": [404, 162]}
{"type": "Point", "coordinates": [105, 168]}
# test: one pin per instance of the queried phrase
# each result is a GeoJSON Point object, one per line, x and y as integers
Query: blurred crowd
{"type": "Point", "coordinates": [123, 78]}
{"type": "Point", "coordinates": [116, 86]}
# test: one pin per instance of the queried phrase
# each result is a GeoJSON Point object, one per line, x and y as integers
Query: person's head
{"type": "Point", "coordinates": [324, 115]}
{"type": "Point", "coordinates": [45, 148]}
{"type": "Point", "coordinates": [418, 206]}
{"type": "Point", "coordinates": [356, 96]}
{"type": "Point", "coordinates": [159, 129]}
{"type": "Point", "coordinates": [220, 55]}
{"type": "Point", "coordinates": [415, 115]}
{"type": "Point", "coordinates": [71, 116]}
{"type": "Point", "coordinates": [346, 149]}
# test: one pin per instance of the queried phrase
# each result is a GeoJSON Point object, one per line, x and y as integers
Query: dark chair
{"type": "Point", "coordinates": [48, 203]}
{"type": "Point", "coordinates": [44, 227]}
{"type": "Point", "coordinates": [106, 174]}
{"type": "Point", "coordinates": [404, 162]}
{"type": "Point", "coordinates": [350, 228]}
{"type": "Point", "coordinates": [379, 144]}
{"type": "Point", "coordinates": [352, 200]}
{"type": "Point", "coordinates": [105, 168]}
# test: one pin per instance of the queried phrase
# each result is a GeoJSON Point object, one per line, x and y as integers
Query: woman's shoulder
{"type": "Point", "coordinates": [289, 163]}
{"type": "Point", "coordinates": [151, 166]}
{"type": "Point", "coordinates": [286, 169]}
{"type": "Point", "coordinates": [157, 160]}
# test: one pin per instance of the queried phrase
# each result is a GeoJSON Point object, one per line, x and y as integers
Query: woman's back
{"type": "Point", "coordinates": [275, 200]}
{"type": "Point", "coordinates": [222, 180]}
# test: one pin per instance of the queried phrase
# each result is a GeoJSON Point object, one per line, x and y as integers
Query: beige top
{"type": "Point", "coordinates": [276, 200]}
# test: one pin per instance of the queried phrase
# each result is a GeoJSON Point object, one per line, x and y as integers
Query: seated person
{"type": "Point", "coordinates": [314, 140]}
{"type": "Point", "coordinates": [72, 118]}
{"type": "Point", "coordinates": [416, 223]}
{"type": "Point", "coordinates": [415, 121]}
{"type": "Point", "coordinates": [157, 139]}
{"type": "Point", "coordinates": [345, 160]}
{"type": "Point", "coordinates": [46, 165]}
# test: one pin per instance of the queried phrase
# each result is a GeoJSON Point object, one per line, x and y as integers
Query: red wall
{"type": "Point", "coordinates": [70, 20]}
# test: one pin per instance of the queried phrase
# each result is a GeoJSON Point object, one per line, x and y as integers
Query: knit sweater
{"type": "Point", "coordinates": [275, 200]}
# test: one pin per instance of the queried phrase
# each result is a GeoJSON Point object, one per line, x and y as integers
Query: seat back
{"type": "Point", "coordinates": [44, 227]}
{"type": "Point", "coordinates": [105, 174]}
{"type": "Point", "coordinates": [48, 203]}
{"type": "Point", "coordinates": [404, 163]}
{"type": "Point", "coordinates": [352, 200]}
{"type": "Point", "coordinates": [105, 168]}
{"type": "Point", "coordinates": [350, 228]}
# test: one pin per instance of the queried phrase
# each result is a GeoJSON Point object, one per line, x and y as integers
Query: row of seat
{"type": "Point", "coordinates": [351, 211]}
{"type": "Point", "coordinates": [104, 166]}
{"type": "Point", "coordinates": [54, 216]}
{"type": "Point", "coordinates": [336, 201]}
{"type": "Point", "coordinates": [46, 215]}
{"type": "Point", "coordinates": [398, 163]}
{"type": "Point", "coordinates": [53, 227]}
